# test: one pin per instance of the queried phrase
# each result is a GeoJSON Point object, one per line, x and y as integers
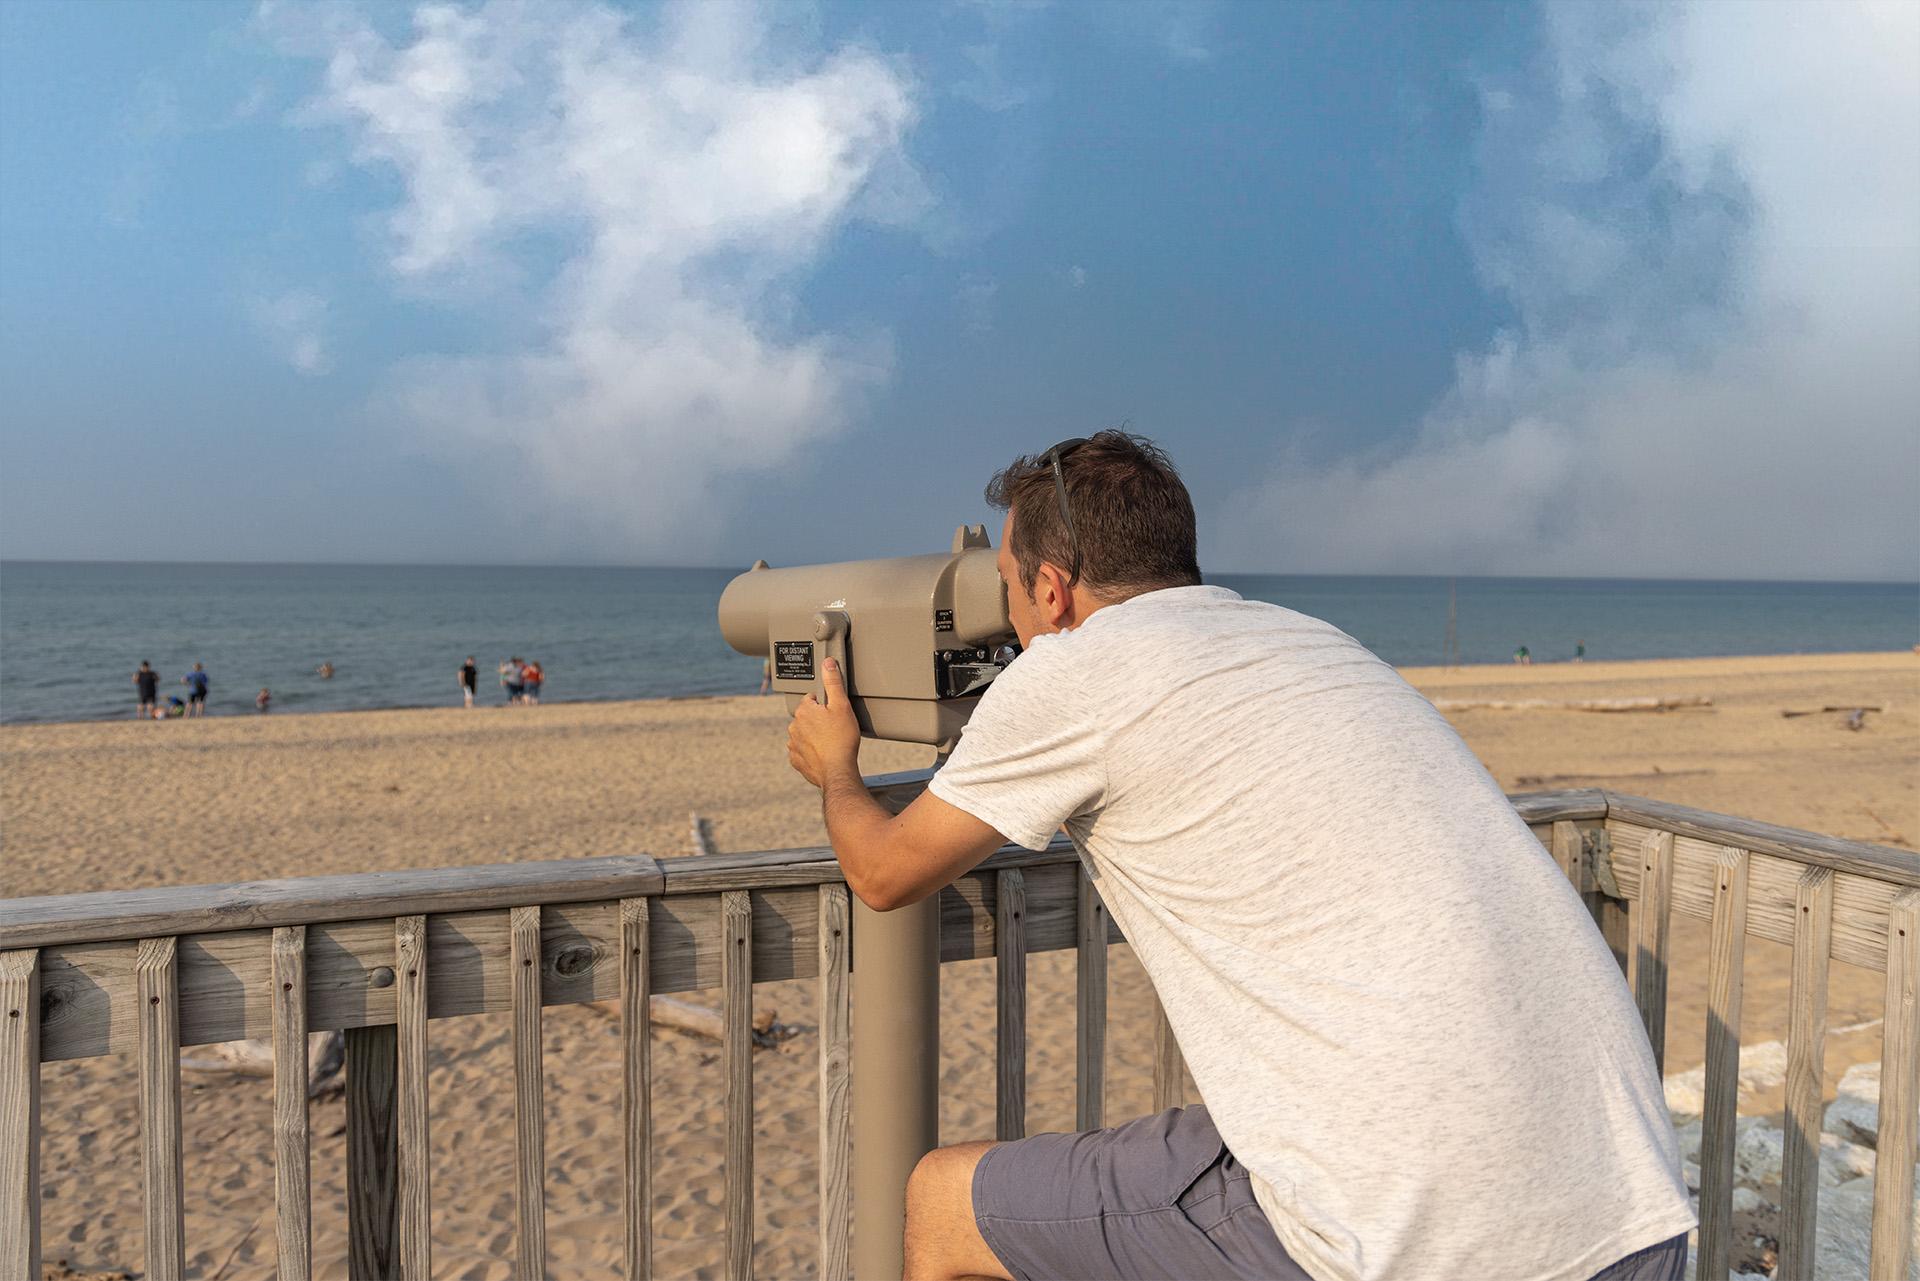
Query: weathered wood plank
{"type": "Point", "coordinates": [1651, 921]}
{"type": "Point", "coordinates": [292, 1159]}
{"type": "Point", "coordinates": [1566, 850]}
{"type": "Point", "coordinates": [836, 1101]}
{"type": "Point", "coordinates": [157, 987]}
{"type": "Point", "coordinates": [413, 1153]}
{"type": "Point", "coordinates": [1899, 1144]}
{"type": "Point", "coordinates": [1879, 862]}
{"type": "Point", "coordinates": [371, 1057]}
{"type": "Point", "coordinates": [1548, 807]}
{"type": "Point", "coordinates": [1806, 1048]}
{"type": "Point", "coordinates": [529, 1099]}
{"type": "Point", "coordinates": [1725, 960]}
{"type": "Point", "coordinates": [636, 1090]}
{"type": "Point", "coordinates": [1010, 1006]}
{"type": "Point", "coordinates": [736, 999]}
{"type": "Point", "coordinates": [1169, 1069]}
{"type": "Point", "coordinates": [310, 900]}
{"type": "Point", "coordinates": [1860, 904]}
{"type": "Point", "coordinates": [20, 1114]}
{"type": "Point", "coordinates": [1090, 1024]}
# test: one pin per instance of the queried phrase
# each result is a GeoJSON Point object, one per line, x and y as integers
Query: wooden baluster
{"type": "Point", "coordinates": [529, 1090]}
{"type": "Point", "coordinates": [636, 1086]}
{"type": "Point", "coordinates": [1169, 1069]}
{"type": "Point", "coordinates": [372, 1054]}
{"type": "Point", "coordinates": [20, 1114]}
{"type": "Point", "coordinates": [1725, 960]}
{"type": "Point", "coordinates": [736, 1006]}
{"type": "Point", "coordinates": [1899, 1145]}
{"type": "Point", "coordinates": [413, 1154]}
{"type": "Point", "coordinates": [1647, 963]}
{"type": "Point", "coordinates": [836, 1104]}
{"type": "Point", "coordinates": [1806, 1050]}
{"type": "Point", "coordinates": [1090, 1030]}
{"type": "Point", "coordinates": [292, 1160]}
{"type": "Point", "coordinates": [157, 991]}
{"type": "Point", "coordinates": [1010, 1001]}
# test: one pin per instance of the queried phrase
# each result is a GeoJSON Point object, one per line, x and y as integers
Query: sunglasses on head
{"type": "Point", "coordinates": [1053, 458]}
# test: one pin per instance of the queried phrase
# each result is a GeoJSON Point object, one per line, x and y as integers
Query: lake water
{"type": "Point", "coordinates": [72, 634]}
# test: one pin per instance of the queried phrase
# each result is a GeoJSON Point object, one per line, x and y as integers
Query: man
{"type": "Point", "coordinates": [146, 684]}
{"type": "Point", "coordinates": [469, 679]}
{"type": "Point", "coordinates": [196, 683]}
{"type": "Point", "coordinates": [1418, 1057]}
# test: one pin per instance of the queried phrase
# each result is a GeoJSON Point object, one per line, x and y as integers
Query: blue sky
{"type": "Point", "coordinates": [1446, 289]}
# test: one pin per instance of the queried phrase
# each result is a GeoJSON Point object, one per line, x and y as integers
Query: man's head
{"type": "Point", "coordinates": [1127, 516]}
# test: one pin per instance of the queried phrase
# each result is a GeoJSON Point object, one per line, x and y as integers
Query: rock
{"type": "Point", "coordinates": [1689, 1136]}
{"type": "Point", "coordinates": [1854, 1114]}
{"type": "Point", "coordinates": [1762, 1067]}
{"type": "Point", "coordinates": [1690, 1175]}
{"type": "Point", "coordinates": [1842, 1162]}
{"type": "Point", "coordinates": [1746, 1200]}
{"type": "Point", "coordinates": [1843, 1234]}
{"type": "Point", "coordinates": [1758, 1149]}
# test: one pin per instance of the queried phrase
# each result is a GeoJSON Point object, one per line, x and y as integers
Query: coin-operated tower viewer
{"type": "Point", "coordinates": [917, 638]}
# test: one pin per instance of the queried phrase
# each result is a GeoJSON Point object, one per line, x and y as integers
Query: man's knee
{"type": "Point", "coordinates": [942, 1182]}
{"type": "Point", "coordinates": [942, 1240]}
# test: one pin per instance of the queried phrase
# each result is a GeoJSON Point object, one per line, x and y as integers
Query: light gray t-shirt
{"type": "Point", "coordinates": [1396, 1008]}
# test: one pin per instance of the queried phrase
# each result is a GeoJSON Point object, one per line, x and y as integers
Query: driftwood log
{"type": "Point", "coordinates": [326, 1056]}
{"type": "Point", "coordinates": [1577, 705]}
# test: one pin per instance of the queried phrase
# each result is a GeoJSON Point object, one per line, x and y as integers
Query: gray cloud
{"type": "Point", "coordinates": [1707, 219]}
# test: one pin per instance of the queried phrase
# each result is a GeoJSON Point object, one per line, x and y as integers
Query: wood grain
{"type": "Point", "coordinates": [1090, 1023]}
{"type": "Point", "coordinates": [292, 1153]}
{"type": "Point", "coordinates": [1878, 862]}
{"type": "Point", "coordinates": [1725, 960]}
{"type": "Point", "coordinates": [309, 900]}
{"type": "Point", "coordinates": [1899, 1143]}
{"type": "Point", "coordinates": [836, 1103]}
{"type": "Point", "coordinates": [636, 1090]}
{"type": "Point", "coordinates": [20, 1114]}
{"type": "Point", "coordinates": [1651, 923]}
{"type": "Point", "coordinates": [157, 987]}
{"type": "Point", "coordinates": [1806, 1049]}
{"type": "Point", "coordinates": [1010, 1006]}
{"type": "Point", "coordinates": [371, 1057]}
{"type": "Point", "coordinates": [736, 1000]}
{"type": "Point", "coordinates": [413, 1152]}
{"type": "Point", "coordinates": [1169, 1069]}
{"type": "Point", "coordinates": [529, 1099]}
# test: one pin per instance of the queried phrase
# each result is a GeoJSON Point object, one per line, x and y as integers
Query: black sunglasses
{"type": "Point", "coordinates": [1053, 456]}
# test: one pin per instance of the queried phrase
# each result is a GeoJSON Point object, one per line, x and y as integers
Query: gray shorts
{"type": "Point", "coordinates": [1160, 1197]}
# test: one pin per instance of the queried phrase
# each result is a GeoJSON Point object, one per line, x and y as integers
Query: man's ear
{"type": "Point", "coordinates": [1050, 593]}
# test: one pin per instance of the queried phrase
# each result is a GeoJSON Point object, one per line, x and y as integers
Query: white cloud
{"type": "Point", "coordinates": [294, 323]}
{"type": "Point", "coordinates": [688, 172]}
{"type": "Point", "coordinates": [1708, 221]}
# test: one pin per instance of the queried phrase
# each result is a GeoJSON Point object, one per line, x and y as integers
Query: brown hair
{"type": "Point", "coordinates": [1132, 516]}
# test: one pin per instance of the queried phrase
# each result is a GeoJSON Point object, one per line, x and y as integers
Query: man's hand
{"type": "Point", "coordinates": [823, 741]}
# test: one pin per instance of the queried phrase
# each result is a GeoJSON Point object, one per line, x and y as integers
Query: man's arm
{"type": "Point", "coordinates": [889, 861]}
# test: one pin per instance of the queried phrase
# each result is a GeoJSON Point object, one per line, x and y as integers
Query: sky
{"type": "Point", "coordinates": [1560, 289]}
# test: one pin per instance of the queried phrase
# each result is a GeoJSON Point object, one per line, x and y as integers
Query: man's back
{"type": "Point", "coordinates": [1394, 1005]}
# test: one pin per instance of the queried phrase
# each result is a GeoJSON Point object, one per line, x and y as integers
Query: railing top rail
{"type": "Point", "coordinates": [1881, 862]}
{"type": "Point", "coordinates": [311, 900]}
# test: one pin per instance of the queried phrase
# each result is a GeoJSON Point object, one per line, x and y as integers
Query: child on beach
{"type": "Point", "coordinates": [146, 682]}
{"type": "Point", "coordinates": [469, 679]}
{"type": "Point", "coordinates": [262, 699]}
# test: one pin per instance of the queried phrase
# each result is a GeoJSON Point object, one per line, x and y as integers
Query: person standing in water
{"type": "Point", "coordinates": [146, 682]}
{"type": "Point", "coordinates": [196, 682]}
{"type": "Point", "coordinates": [469, 679]}
{"type": "Point", "coordinates": [532, 677]}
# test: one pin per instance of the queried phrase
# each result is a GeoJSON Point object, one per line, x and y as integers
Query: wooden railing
{"type": "Point", "coordinates": [381, 955]}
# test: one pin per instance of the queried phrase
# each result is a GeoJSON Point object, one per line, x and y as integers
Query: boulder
{"type": "Point", "coordinates": [1758, 1150]}
{"type": "Point", "coordinates": [1854, 1114]}
{"type": "Point", "coordinates": [1762, 1067]}
{"type": "Point", "coordinates": [1843, 1234]}
{"type": "Point", "coordinates": [1843, 1162]}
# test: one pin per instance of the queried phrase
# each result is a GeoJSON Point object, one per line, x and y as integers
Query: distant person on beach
{"type": "Point", "coordinates": [263, 700]}
{"type": "Point", "coordinates": [1580, 651]}
{"type": "Point", "coordinates": [196, 683]}
{"type": "Point", "coordinates": [174, 708]}
{"type": "Point", "coordinates": [324, 671]}
{"type": "Point", "coordinates": [146, 683]}
{"type": "Point", "coordinates": [510, 679]}
{"type": "Point", "coordinates": [1523, 656]}
{"type": "Point", "coordinates": [1264, 806]}
{"type": "Point", "coordinates": [532, 677]}
{"type": "Point", "coordinates": [469, 680]}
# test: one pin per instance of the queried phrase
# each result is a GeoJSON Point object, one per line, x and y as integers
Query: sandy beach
{"type": "Point", "coordinates": [102, 806]}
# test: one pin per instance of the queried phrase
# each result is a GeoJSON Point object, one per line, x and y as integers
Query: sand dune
{"type": "Point", "coordinates": [101, 806]}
